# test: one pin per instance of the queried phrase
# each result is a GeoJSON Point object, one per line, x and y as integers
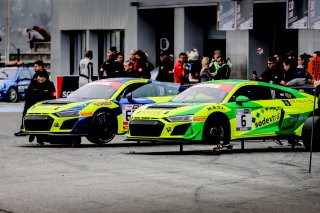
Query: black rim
{"type": "Point", "coordinates": [102, 128]}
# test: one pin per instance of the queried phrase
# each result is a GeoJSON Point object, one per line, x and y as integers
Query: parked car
{"type": "Point", "coordinates": [99, 110]}
{"type": "Point", "coordinates": [221, 111]}
{"type": "Point", "coordinates": [14, 82]}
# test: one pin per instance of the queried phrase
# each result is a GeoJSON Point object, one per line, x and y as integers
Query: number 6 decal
{"type": "Point", "coordinates": [243, 119]}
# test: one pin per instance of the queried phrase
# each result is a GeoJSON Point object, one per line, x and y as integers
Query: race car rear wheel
{"type": "Point", "coordinates": [12, 95]}
{"type": "Point", "coordinates": [103, 128]}
{"type": "Point", "coordinates": [306, 133]}
{"type": "Point", "coordinates": [215, 131]}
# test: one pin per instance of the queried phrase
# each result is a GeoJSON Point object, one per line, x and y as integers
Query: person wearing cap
{"type": "Point", "coordinates": [165, 68]}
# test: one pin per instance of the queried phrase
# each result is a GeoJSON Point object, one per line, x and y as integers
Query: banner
{"type": "Point", "coordinates": [226, 18]}
{"type": "Point", "coordinates": [66, 85]}
{"type": "Point", "coordinates": [245, 15]}
{"type": "Point", "coordinates": [314, 13]}
{"type": "Point", "coordinates": [297, 14]}
{"type": "Point", "coordinates": [235, 15]}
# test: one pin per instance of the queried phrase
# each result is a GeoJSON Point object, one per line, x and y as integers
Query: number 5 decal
{"type": "Point", "coordinates": [243, 119]}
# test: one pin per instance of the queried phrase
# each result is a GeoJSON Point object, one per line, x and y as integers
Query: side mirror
{"type": "Point", "coordinates": [241, 99]}
{"type": "Point", "coordinates": [129, 97]}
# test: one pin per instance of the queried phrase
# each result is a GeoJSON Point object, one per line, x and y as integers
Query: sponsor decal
{"type": "Point", "coordinates": [102, 103]}
{"type": "Point", "coordinates": [223, 87]}
{"type": "Point", "coordinates": [294, 101]}
{"type": "Point", "coordinates": [215, 107]}
{"type": "Point", "coordinates": [266, 120]}
{"type": "Point", "coordinates": [168, 129]}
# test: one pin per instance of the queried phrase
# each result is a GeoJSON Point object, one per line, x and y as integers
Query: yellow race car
{"type": "Point", "coordinates": [221, 111]}
{"type": "Point", "coordinates": [98, 110]}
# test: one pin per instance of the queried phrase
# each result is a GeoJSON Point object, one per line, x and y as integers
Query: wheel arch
{"type": "Point", "coordinates": [112, 113]}
{"type": "Point", "coordinates": [221, 117]}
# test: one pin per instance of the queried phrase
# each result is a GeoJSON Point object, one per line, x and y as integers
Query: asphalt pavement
{"type": "Point", "coordinates": [129, 177]}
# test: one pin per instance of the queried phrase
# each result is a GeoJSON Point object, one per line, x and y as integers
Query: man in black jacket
{"type": "Point", "coordinates": [165, 72]}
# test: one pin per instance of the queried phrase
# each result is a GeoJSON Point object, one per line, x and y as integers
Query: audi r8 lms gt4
{"type": "Point", "coordinates": [221, 111]}
{"type": "Point", "coordinates": [98, 110]}
{"type": "Point", "coordinates": [14, 81]}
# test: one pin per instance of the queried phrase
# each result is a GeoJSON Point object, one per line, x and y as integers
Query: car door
{"type": "Point", "coordinates": [23, 81]}
{"type": "Point", "coordinates": [136, 96]}
{"type": "Point", "coordinates": [259, 117]}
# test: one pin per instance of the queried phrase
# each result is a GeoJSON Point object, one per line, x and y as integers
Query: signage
{"type": "Point", "coordinates": [314, 68]}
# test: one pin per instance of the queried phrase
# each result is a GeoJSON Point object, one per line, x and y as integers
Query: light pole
{"type": "Point", "coordinates": [7, 37]}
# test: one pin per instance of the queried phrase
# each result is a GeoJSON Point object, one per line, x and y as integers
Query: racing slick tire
{"type": "Point", "coordinates": [102, 128]}
{"type": "Point", "coordinates": [216, 130]}
{"type": "Point", "coordinates": [12, 95]}
{"type": "Point", "coordinates": [306, 133]}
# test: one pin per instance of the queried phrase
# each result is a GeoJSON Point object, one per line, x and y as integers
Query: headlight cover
{"type": "Point", "coordinates": [68, 113]}
{"type": "Point", "coordinates": [181, 118]}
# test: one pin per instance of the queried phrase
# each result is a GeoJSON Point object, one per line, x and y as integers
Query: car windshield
{"type": "Point", "coordinates": [203, 93]}
{"type": "Point", "coordinates": [93, 91]}
{"type": "Point", "coordinates": [8, 74]}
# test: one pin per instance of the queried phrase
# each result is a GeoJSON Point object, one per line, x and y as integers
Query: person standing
{"type": "Point", "coordinates": [165, 68]}
{"type": "Point", "coordinates": [107, 69]}
{"type": "Point", "coordinates": [42, 89]}
{"type": "Point", "coordinates": [129, 71]}
{"type": "Point", "coordinates": [223, 71]}
{"type": "Point", "coordinates": [38, 69]}
{"type": "Point", "coordinates": [33, 36]}
{"type": "Point", "coordinates": [86, 69]}
{"type": "Point", "coordinates": [272, 74]}
{"type": "Point", "coordinates": [179, 68]}
{"type": "Point", "coordinates": [206, 73]}
{"type": "Point", "coordinates": [118, 65]}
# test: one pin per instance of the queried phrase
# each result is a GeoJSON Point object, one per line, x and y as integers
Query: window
{"type": "Point", "coordinates": [25, 74]}
{"type": "Point", "coordinates": [253, 92]}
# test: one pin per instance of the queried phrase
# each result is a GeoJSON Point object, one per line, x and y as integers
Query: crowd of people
{"type": "Point", "coordinates": [188, 68]}
{"type": "Point", "coordinates": [287, 71]}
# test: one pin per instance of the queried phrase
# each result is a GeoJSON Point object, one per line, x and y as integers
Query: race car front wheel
{"type": "Point", "coordinates": [102, 129]}
{"type": "Point", "coordinates": [215, 131]}
{"type": "Point", "coordinates": [306, 133]}
{"type": "Point", "coordinates": [12, 95]}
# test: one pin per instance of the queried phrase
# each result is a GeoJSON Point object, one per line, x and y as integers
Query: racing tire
{"type": "Point", "coordinates": [12, 95]}
{"type": "Point", "coordinates": [306, 133]}
{"type": "Point", "coordinates": [102, 128]}
{"type": "Point", "coordinates": [215, 130]}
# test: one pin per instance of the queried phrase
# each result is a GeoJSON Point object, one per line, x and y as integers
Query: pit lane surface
{"type": "Point", "coordinates": [129, 177]}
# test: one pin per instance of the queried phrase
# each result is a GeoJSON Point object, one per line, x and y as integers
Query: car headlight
{"type": "Point", "coordinates": [181, 118]}
{"type": "Point", "coordinates": [68, 113]}
{"type": "Point", "coordinates": [2, 85]}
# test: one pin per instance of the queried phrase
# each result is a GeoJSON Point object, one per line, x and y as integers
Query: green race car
{"type": "Point", "coordinates": [226, 110]}
{"type": "Point", "coordinates": [98, 110]}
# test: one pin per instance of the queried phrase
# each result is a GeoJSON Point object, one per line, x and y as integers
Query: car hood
{"type": "Point", "coordinates": [168, 109]}
{"type": "Point", "coordinates": [61, 104]}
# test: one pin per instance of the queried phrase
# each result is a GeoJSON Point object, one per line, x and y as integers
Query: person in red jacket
{"type": "Point", "coordinates": [179, 68]}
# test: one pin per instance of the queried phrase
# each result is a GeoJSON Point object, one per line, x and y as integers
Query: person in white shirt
{"type": "Point", "coordinates": [86, 69]}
